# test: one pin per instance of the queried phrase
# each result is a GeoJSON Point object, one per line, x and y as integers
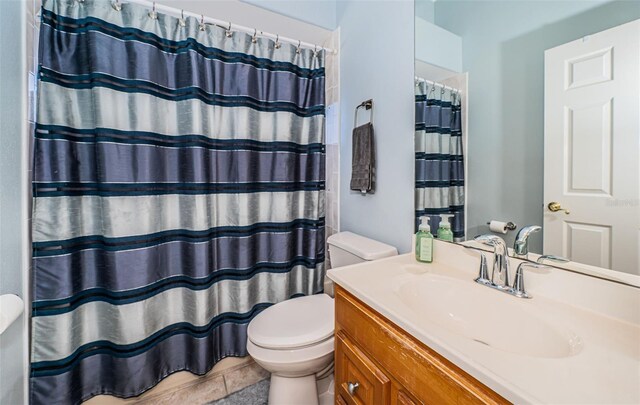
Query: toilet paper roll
{"type": "Point", "coordinates": [11, 307]}
{"type": "Point", "coordinates": [498, 226]}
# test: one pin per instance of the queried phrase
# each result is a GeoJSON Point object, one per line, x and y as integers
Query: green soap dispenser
{"type": "Point", "coordinates": [444, 230]}
{"type": "Point", "coordinates": [424, 241]}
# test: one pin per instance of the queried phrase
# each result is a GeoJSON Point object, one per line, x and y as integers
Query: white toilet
{"type": "Point", "coordinates": [294, 339]}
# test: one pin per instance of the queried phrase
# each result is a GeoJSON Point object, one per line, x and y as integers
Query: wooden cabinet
{"type": "Point", "coordinates": [379, 363]}
{"type": "Point", "coordinates": [361, 381]}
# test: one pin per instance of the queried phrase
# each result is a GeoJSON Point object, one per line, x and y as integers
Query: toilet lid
{"type": "Point", "coordinates": [293, 323]}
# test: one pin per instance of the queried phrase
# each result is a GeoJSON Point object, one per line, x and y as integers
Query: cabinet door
{"type": "Point", "coordinates": [359, 380]}
{"type": "Point", "coordinates": [400, 397]}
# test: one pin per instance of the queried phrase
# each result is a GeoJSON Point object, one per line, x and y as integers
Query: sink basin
{"type": "Point", "coordinates": [486, 316]}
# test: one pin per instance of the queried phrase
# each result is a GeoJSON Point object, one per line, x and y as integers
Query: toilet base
{"type": "Point", "coordinates": [326, 390]}
{"type": "Point", "coordinates": [293, 390]}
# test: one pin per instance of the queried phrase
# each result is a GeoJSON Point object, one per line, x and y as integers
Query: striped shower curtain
{"type": "Point", "coordinates": [439, 159]}
{"type": "Point", "coordinates": [178, 190]}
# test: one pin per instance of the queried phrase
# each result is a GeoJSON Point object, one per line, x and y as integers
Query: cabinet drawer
{"type": "Point", "coordinates": [358, 379]}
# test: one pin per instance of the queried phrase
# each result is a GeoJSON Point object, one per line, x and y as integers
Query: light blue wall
{"type": "Point", "coordinates": [376, 61]}
{"type": "Point", "coordinates": [12, 71]}
{"type": "Point", "coordinates": [317, 12]}
{"type": "Point", "coordinates": [437, 46]}
{"type": "Point", "coordinates": [426, 9]}
{"type": "Point", "coordinates": [503, 51]}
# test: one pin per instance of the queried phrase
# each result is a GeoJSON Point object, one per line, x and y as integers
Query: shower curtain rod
{"type": "Point", "coordinates": [153, 6]}
{"type": "Point", "coordinates": [432, 83]}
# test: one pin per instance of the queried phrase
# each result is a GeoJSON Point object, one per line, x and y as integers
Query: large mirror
{"type": "Point", "coordinates": [528, 113]}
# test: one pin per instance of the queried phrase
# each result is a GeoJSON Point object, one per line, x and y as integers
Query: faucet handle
{"type": "Point", "coordinates": [553, 258]}
{"type": "Point", "coordinates": [483, 272]}
{"type": "Point", "coordinates": [518, 282]}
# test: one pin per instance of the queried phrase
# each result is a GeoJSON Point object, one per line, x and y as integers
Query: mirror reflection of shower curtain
{"type": "Point", "coordinates": [178, 191]}
{"type": "Point", "coordinates": [439, 170]}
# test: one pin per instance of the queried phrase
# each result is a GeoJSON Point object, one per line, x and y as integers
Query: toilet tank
{"type": "Point", "coordinates": [347, 248]}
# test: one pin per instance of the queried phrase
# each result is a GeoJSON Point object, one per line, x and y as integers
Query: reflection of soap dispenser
{"type": "Point", "coordinates": [424, 241]}
{"type": "Point", "coordinates": [444, 230]}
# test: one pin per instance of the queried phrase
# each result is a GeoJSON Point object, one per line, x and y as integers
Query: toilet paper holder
{"type": "Point", "coordinates": [510, 225]}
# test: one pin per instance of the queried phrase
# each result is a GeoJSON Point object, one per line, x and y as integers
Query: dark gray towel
{"type": "Point", "coordinates": [363, 163]}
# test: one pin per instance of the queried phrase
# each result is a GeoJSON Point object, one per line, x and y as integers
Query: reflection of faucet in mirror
{"type": "Point", "coordinates": [553, 258]}
{"type": "Point", "coordinates": [521, 244]}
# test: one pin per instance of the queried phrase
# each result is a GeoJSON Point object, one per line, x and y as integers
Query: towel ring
{"type": "Point", "coordinates": [368, 105]}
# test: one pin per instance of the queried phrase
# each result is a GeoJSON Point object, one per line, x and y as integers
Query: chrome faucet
{"type": "Point", "coordinates": [521, 244]}
{"type": "Point", "coordinates": [500, 272]}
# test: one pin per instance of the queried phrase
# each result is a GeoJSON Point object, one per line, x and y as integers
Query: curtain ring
{"type": "Point", "coordinates": [298, 50]}
{"type": "Point", "coordinates": [153, 14]}
{"type": "Point", "coordinates": [229, 33]}
{"type": "Point", "coordinates": [116, 5]}
{"type": "Point", "coordinates": [181, 21]}
{"type": "Point", "coordinates": [202, 25]}
{"type": "Point", "coordinates": [254, 38]}
{"type": "Point", "coordinates": [315, 51]}
{"type": "Point", "coordinates": [278, 44]}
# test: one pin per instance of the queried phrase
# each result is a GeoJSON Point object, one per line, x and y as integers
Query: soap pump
{"type": "Point", "coordinates": [424, 241]}
{"type": "Point", "coordinates": [444, 230]}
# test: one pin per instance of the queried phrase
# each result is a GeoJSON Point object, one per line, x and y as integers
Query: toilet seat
{"type": "Point", "coordinates": [291, 356]}
{"type": "Point", "coordinates": [294, 325]}
{"type": "Point", "coordinates": [293, 340]}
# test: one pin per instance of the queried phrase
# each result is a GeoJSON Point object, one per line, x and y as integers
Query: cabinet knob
{"type": "Point", "coordinates": [352, 387]}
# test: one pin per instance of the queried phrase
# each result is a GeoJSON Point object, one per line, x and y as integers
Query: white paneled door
{"type": "Point", "coordinates": [592, 149]}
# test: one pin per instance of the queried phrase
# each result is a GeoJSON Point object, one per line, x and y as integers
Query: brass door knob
{"type": "Point", "coordinates": [555, 207]}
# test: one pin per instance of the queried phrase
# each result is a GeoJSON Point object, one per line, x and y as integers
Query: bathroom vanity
{"type": "Point", "coordinates": [379, 363]}
{"type": "Point", "coordinates": [410, 332]}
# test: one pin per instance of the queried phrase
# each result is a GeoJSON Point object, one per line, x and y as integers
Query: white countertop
{"type": "Point", "coordinates": [602, 320]}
